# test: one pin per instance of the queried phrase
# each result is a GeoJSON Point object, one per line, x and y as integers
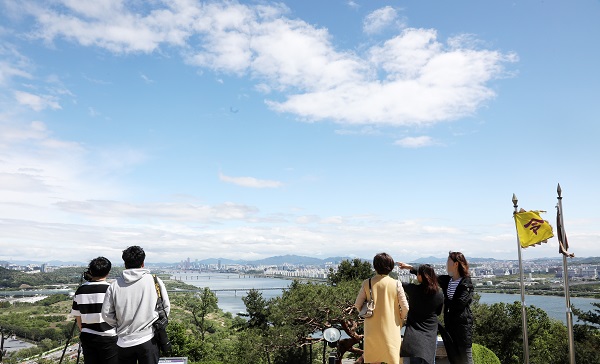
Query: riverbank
{"type": "Point", "coordinates": [231, 301]}
{"type": "Point", "coordinates": [588, 291]}
{"type": "Point", "coordinates": [554, 306]}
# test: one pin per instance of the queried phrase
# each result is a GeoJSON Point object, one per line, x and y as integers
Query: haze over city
{"type": "Point", "coordinates": [245, 130]}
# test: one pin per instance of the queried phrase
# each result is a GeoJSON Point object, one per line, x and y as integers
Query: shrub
{"type": "Point", "coordinates": [483, 355]}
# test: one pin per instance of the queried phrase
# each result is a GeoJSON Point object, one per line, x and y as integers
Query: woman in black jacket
{"type": "Point", "coordinates": [425, 301]}
{"type": "Point", "coordinates": [458, 295]}
{"type": "Point", "coordinates": [458, 318]}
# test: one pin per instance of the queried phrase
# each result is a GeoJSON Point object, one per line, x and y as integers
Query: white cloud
{"type": "Point", "coordinates": [410, 79]}
{"type": "Point", "coordinates": [379, 20]}
{"type": "Point", "coordinates": [38, 169]}
{"type": "Point", "coordinates": [36, 102]}
{"type": "Point", "coordinates": [21, 182]}
{"type": "Point", "coordinates": [96, 81]}
{"type": "Point", "coordinates": [146, 79]}
{"type": "Point", "coordinates": [250, 182]}
{"type": "Point", "coordinates": [423, 81]}
{"type": "Point", "coordinates": [8, 71]}
{"type": "Point", "coordinates": [106, 210]}
{"type": "Point", "coordinates": [93, 112]}
{"type": "Point", "coordinates": [113, 26]}
{"type": "Point", "coordinates": [366, 130]}
{"type": "Point", "coordinates": [353, 4]}
{"type": "Point", "coordinates": [172, 239]}
{"type": "Point", "coordinates": [415, 142]}
{"type": "Point", "coordinates": [12, 64]}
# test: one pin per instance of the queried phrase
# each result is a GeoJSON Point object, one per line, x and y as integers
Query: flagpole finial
{"type": "Point", "coordinates": [514, 200]}
{"type": "Point", "coordinates": [559, 190]}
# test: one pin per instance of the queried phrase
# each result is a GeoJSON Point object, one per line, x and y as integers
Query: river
{"type": "Point", "coordinates": [230, 301]}
{"type": "Point", "coordinates": [553, 305]}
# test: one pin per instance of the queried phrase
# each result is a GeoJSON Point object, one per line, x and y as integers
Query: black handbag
{"type": "Point", "coordinates": [160, 325]}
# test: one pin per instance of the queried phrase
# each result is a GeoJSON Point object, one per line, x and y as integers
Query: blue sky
{"type": "Point", "coordinates": [245, 130]}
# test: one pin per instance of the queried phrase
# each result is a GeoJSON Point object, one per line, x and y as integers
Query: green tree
{"type": "Point", "coordinates": [483, 355]}
{"type": "Point", "coordinates": [305, 309]}
{"type": "Point", "coordinates": [200, 305]}
{"type": "Point", "coordinates": [183, 342]}
{"type": "Point", "coordinates": [308, 308]}
{"type": "Point", "coordinates": [499, 328]}
{"type": "Point", "coordinates": [46, 344]}
{"type": "Point", "coordinates": [251, 342]}
{"type": "Point", "coordinates": [587, 335]}
{"type": "Point", "coordinates": [52, 299]}
{"type": "Point", "coordinates": [349, 271]}
{"type": "Point", "coordinates": [250, 347]}
{"type": "Point", "coordinates": [258, 310]}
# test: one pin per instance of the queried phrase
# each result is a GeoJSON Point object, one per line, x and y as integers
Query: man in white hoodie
{"type": "Point", "coordinates": [130, 307]}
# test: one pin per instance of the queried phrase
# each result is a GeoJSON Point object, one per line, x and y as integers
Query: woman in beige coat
{"type": "Point", "coordinates": [382, 330]}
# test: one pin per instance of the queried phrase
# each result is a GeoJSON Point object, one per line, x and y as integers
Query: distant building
{"type": "Point", "coordinates": [589, 272]}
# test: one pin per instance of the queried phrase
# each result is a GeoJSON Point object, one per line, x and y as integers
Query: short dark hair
{"type": "Point", "coordinates": [99, 267]}
{"type": "Point", "coordinates": [383, 263]}
{"type": "Point", "coordinates": [133, 257]}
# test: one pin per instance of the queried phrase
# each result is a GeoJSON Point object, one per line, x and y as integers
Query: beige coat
{"type": "Point", "coordinates": [382, 330]}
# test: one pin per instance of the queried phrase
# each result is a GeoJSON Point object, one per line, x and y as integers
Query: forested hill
{"type": "Point", "coordinates": [16, 279]}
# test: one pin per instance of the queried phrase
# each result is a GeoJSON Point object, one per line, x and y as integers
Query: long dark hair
{"type": "Point", "coordinates": [428, 278]}
{"type": "Point", "coordinates": [463, 266]}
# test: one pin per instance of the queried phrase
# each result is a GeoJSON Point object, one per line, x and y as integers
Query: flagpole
{"type": "Point", "coordinates": [523, 305]}
{"type": "Point", "coordinates": [569, 312]}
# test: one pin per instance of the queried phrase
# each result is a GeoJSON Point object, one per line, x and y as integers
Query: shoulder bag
{"type": "Point", "coordinates": [368, 306]}
{"type": "Point", "coordinates": [160, 325]}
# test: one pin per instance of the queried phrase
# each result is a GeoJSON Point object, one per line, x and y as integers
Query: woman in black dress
{"type": "Point", "coordinates": [425, 301]}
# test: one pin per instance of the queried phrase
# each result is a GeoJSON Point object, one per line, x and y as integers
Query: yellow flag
{"type": "Point", "coordinates": [531, 228]}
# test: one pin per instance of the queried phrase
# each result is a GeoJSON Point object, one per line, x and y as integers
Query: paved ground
{"type": "Point", "coordinates": [437, 361]}
{"type": "Point", "coordinates": [15, 344]}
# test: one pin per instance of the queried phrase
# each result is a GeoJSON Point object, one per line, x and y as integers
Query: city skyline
{"type": "Point", "coordinates": [256, 128]}
{"type": "Point", "coordinates": [301, 260]}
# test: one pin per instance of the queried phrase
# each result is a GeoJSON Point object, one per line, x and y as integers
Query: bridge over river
{"type": "Point", "coordinates": [234, 290]}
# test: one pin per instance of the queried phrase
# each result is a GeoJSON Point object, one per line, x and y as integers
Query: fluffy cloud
{"type": "Point", "coordinates": [415, 142]}
{"type": "Point", "coordinates": [12, 64]}
{"type": "Point", "coordinates": [380, 19]}
{"type": "Point", "coordinates": [409, 80]}
{"type": "Point", "coordinates": [324, 237]}
{"type": "Point", "coordinates": [250, 182]}
{"type": "Point", "coordinates": [36, 102]}
{"type": "Point", "coordinates": [59, 194]}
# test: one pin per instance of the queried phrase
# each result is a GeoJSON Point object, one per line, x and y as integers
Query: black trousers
{"type": "Point", "coordinates": [145, 353]}
{"type": "Point", "coordinates": [99, 349]}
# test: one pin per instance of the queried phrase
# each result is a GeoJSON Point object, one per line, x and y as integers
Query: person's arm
{"type": "Point", "coordinates": [403, 265]}
{"type": "Point", "coordinates": [108, 308]}
{"type": "Point", "coordinates": [165, 296]}
{"type": "Point", "coordinates": [403, 302]}
{"type": "Point", "coordinates": [362, 297]}
{"type": "Point", "coordinates": [75, 310]}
